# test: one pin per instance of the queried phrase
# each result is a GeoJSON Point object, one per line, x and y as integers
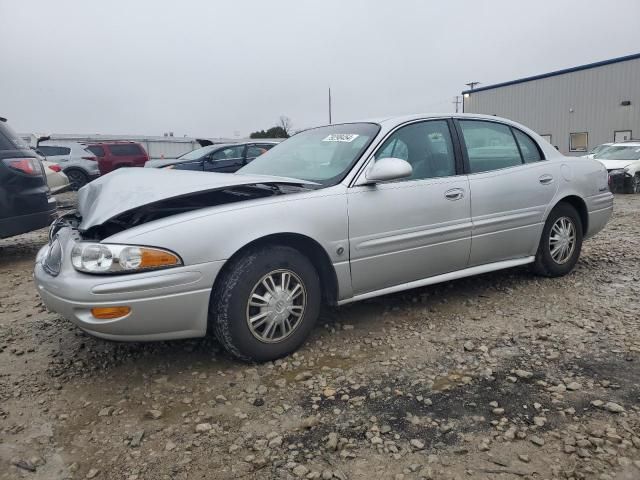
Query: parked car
{"type": "Point", "coordinates": [57, 181]}
{"type": "Point", "coordinates": [78, 163]}
{"type": "Point", "coordinates": [25, 202]}
{"type": "Point", "coordinates": [597, 150]}
{"type": "Point", "coordinates": [114, 155]}
{"type": "Point", "coordinates": [223, 158]}
{"type": "Point", "coordinates": [622, 161]}
{"type": "Point", "coordinates": [334, 214]}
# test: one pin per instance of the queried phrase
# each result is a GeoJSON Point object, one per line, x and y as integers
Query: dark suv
{"type": "Point", "coordinates": [25, 202]}
{"type": "Point", "coordinates": [113, 155]}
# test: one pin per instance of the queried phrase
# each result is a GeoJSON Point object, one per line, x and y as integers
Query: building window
{"type": "Point", "coordinates": [547, 137]}
{"type": "Point", "coordinates": [578, 142]}
{"type": "Point", "coordinates": [621, 136]}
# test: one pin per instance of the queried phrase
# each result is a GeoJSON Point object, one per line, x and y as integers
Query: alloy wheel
{"type": "Point", "coordinates": [276, 306]}
{"type": "Point", "coordinates": [562, 240]}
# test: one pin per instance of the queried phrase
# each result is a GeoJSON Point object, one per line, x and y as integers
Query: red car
{"type": "Point", "coordinates": [113, 155]}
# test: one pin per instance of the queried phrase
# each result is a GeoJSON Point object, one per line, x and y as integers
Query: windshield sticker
{"type": "Point", "coordinates": [341, 137]}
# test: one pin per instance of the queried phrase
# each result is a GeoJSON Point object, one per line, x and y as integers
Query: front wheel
{"type": "Point", "coordinates": [560, 243]}
{"type": "Point", "coordinates": [265, 303]}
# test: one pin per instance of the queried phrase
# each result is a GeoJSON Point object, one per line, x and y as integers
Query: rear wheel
{"type": "Point", "coordinates": [560, 243]}
{"type": "Point", "coordinates": [77, 178]}
{"type": "Point", "coordinates": [266, 303]}
{"type": "Point", "coordinates": [633, 184]}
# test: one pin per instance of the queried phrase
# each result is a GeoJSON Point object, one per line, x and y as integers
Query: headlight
{"type": "Point", "coordinates": [105, 258]}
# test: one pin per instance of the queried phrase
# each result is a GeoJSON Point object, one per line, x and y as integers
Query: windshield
{"type": "Point", "coordinates": [598, 149]}
{"type": "Point", "coordinates": [323, 155]}
{"type": "Point", "coordinates": [198, 153]}
{"type": "Point", "coordinates": [621, 153]}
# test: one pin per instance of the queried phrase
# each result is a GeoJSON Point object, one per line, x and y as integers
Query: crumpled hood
{"type": "Point", "coordinates": [129, 188]}
{"type": "Point", "coordinates": [613, 164]}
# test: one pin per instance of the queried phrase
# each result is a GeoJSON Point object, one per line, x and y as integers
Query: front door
{"type": "Point", "coordinates": [225, 160]}
{"type": "Point", "coordinates": [410, 229]}
{"type": "Point", "coordinates": [511, 188]}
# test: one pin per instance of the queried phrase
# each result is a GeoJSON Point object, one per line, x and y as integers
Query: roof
{"type": "Point", "coordinates": [557, 72]}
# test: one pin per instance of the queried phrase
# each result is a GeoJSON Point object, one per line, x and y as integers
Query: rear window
{"type": "Point", "coordinates": [52, 151]}
{"type": "Point", "coordinates": [125, 150]}
{"type": "Point", "coordinates": [97, 150]}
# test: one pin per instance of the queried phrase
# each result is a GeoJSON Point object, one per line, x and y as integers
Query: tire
{"type": "Point", "coordinates": [229, 309]}
{"type": "Point", "coordinates": [553, 263]}
{"type": "Point", "coordinates": [633, 185]}
{"type": "Point", "coordinates": [77, 178]}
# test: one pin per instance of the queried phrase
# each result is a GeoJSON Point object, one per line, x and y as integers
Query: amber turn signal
{"type": "Point", "coordinates": [152, 258]}
{"type": "Point", "coordinates": [109, 313]}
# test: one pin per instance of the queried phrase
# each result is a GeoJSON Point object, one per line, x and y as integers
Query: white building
{"type": "Point", "coordinates": [574, 109]}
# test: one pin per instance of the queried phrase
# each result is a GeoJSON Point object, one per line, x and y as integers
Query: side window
{"type": "Point", "coordinates": [124, 150]}
{"type": "Point", "coordinates": [97, 150]}
{"type": "Point", "coordinates": [490, 146]}
{"type": "Point", "coordinates": [254, 151]}
{"type": "Point", "coordinates": [427, 146]}
{"type": "Point", "coordinates": [52, 151]}
{"type": "Point", "coordinates": [228, 153]}
{"type": "Point", "coordinates": [528, 148]}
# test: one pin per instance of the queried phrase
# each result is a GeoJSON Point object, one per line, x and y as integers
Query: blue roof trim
{"type": "Point", "coordinates": [557, 72]}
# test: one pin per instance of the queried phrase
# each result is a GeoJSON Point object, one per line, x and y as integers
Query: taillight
{"type": "Point", "coordinates": [55, 168]}
{"type": "Point", "coordinates": [93, 159]}
{"type": "Point", "coordinates": [28, 166]}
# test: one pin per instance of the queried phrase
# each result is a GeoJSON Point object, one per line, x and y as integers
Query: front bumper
{"type": "Point", "coordinates": [165, 304]}
{"type": "Point", "coordinates": [618, 180]}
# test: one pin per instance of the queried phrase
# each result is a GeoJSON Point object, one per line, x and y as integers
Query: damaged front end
{"type": "Point", "coordinates": [120, 201]}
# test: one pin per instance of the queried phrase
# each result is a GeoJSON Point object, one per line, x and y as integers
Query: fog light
{"type": "Point", "coordinates": [109, 313]}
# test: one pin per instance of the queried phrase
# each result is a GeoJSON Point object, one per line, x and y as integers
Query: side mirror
{"type": "Point", "coordinates": [386, 169]}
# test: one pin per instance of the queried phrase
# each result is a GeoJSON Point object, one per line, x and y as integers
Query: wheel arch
{"type": "Point", "coordinates": [305, 245]}
{"type": "Point", "coordinates": [76, 168]}
{"type": "Point", "coordinates": [581, 207]}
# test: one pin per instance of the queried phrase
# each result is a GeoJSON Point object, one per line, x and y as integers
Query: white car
{"type": "Point", "coordinates": [622, 161]}
{"type": "Point", "coordinates": [597, 150]}
{"type": "Point", "coordinates": [77, 162]}
{"type": "Point", "coordinates": [56, 179]}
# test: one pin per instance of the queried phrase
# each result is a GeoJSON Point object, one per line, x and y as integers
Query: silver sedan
{"type": "Point", "coordinates": [333, 215]}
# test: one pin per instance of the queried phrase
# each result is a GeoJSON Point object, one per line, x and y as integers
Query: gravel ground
{"type": "Point", "coordinates": [502, 376]}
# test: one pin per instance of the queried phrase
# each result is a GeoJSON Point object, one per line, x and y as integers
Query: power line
{"type": "Point", "coordinates": [472, 85]}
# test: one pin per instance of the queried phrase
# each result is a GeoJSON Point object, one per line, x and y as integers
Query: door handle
{"type": "Point", "coordinates": [545, 179]}
{"type": "Point", "coordinates": [454, 194]}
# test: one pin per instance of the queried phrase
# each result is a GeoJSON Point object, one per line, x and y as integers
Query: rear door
{"type": "Point", "coordinates": [225, 160]}
{"type": "Point", "coordinates": [410, 229]}
{"type": "Point", "coordinates": [511, 188]}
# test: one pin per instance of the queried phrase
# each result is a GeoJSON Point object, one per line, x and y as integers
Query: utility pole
{"type": "Point", "coordinates": [472, 85]}
{"type": "Point", "coordinates": [329, 105]}
{"type": "Point", "coordinates": [456, 101]}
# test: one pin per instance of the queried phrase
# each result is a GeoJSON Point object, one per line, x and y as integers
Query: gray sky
{"type": "Point", "coordinates": [214, 68]}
